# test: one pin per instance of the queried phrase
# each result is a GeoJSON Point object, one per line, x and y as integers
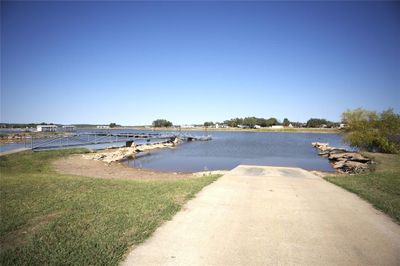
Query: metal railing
{"type": "Point", "coordinates": [85, 139]}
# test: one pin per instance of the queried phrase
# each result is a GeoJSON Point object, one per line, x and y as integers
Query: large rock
{"type": "Point", "coordinates": [352, 156]}
{"type": "Point", "coordinates": [324, 154]}
{"type": "Point", "coordinates": [338, 164]}
{"type": "Point", "coordinates": [352, 164]}
{"type": "Point", "coordinates": [336, 150]}
{"type": "Point", "coordinates": [352, 167]}
{"type": "Point", "coordinates": [359, 158]}
{"type": "Point", "coordinates": [319, 144]}
{"type": "Point", "coordinates": [342, 160]}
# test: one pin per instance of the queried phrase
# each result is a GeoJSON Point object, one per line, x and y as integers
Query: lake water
{"type": "Point", "coordinates": [228, 149]}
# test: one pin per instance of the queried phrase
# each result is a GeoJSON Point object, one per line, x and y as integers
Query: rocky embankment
{"type": "Point", "coordinates": [342, 160]}
{"type": "Point", "coordinates": [121, 154]}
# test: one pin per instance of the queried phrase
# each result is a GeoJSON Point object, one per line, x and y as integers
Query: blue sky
{"type": "Point", "coordinates": [190, 62]}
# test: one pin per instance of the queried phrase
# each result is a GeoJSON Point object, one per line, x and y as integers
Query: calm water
{"type": "Point", "coordinates": [229, 149]}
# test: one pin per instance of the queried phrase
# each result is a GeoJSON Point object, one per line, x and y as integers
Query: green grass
{"type": "Point", "coordinates": [49, 218]}
{"type": "Point", "coordinates": [380, 187]}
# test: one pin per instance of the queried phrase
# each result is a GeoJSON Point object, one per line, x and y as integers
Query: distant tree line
{"type": "Point", "coordinates": [162, 123]}
{"type": "Point", "coordinates": [252, 121]}
{"type": "Point", "coordinates": [320, 122]}
{"type": "Point", "coordinates": [263, 122]}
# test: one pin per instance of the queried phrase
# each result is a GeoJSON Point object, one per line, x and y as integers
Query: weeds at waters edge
{"type": "Point", "coordinates": [380, 187]}
{"type": "Point", "coordinates": [50, 218]}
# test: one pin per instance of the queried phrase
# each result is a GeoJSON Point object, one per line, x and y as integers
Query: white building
{"type": "Point", "coordinates": [69, 128]}
{"type": "Point", "coordinates": [103, 127]}
{"type": "Point", "coordinates": [46, 128]}
{"type": "Point", "coordinates": [277, 127]}
{"type": "Point", "coordinates": [187, 126]}
{"type": "Point", "coordinates": [257, 126]}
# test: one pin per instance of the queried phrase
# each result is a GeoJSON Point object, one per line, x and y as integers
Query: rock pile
{"type": "Point", "coordinates": [342, 160]}
{"type": "Point", "coordinates": [129, 152]}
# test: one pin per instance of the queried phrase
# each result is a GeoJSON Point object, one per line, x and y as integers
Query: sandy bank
{"type": "Point", "coordinates": [76, 165]}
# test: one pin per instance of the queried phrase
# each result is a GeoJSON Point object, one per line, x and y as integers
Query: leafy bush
{"type": "Point", "coordinates": [372, 131]}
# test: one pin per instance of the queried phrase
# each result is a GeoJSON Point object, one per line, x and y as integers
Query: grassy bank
{"type": "Point", "coordinates": [49, 218]}
{"type": "Point", "coordinates": [380, 187]}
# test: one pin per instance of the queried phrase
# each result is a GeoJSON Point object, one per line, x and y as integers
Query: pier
{"type": "Point", "coordinates": [84, 139]}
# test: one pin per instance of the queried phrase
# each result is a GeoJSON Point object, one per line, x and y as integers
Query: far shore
{"type": "Point", "coordinates": [232, 129]}
{"type": "Point", "coordinates": [20, 137]}
{"type": "Point", "coordinates": [150, 128]}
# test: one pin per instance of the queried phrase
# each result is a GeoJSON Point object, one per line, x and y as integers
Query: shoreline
{"type": "Point", "coordinates": [22, 137]}
{"type": "Point", "coordinates": [77, 165]}
{"type": "Point", "coordinates": [262, 130]}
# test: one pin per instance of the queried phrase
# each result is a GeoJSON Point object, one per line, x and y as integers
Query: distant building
{"type": "Point", "coordinates": [187, 126]}
{"type": "Point", "coordinates": [103, 127]}
{"type": "Point", "coordinates": [290, 126]}
{"type": "Point", "coordinates": [69, 128]}
{"type": "Point", "coordinates": [242, 126]}
{"type": "Point", "coordinates": [277, 127]}
{"type": "Point", "coordinates": [46, 128]}
{"type": "Point", "coordinates": [257, 126]}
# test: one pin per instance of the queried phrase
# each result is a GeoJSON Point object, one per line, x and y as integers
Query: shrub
{"type": "Point", "coordinates": [372, 131]}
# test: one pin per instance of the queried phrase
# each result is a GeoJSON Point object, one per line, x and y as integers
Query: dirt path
{"type": "Point", "coordinates": [273, 216]}
{"type": "Point", "coordinates": [76, 165]}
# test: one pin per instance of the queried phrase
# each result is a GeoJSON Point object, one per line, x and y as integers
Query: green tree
{"type": "Point", "coordinates": [320, 122]}
{"type": "Point", "coordinates": [208, 124]}
{"type": "Point", "coordinates": [234, 122]}
{"type": "Point", "coordinates": [112, 125]}
{"type": "Point", "coordinates": [272, 122]}
{"type": "Point", "coordinates": [250, 121]}
{"type": "Point", "coordinates": [162, 123]}
{"type": "Point", "coordinates": [286, 122]}
{"type": "Point", "coordinates": [371, 131]}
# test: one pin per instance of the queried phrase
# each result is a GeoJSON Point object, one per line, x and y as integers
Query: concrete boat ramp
{"type": "Point", "coordinates": [257, 215]}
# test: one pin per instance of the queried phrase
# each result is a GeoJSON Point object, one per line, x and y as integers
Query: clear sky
{"type": "Point", "coordinates": [190, 62]}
